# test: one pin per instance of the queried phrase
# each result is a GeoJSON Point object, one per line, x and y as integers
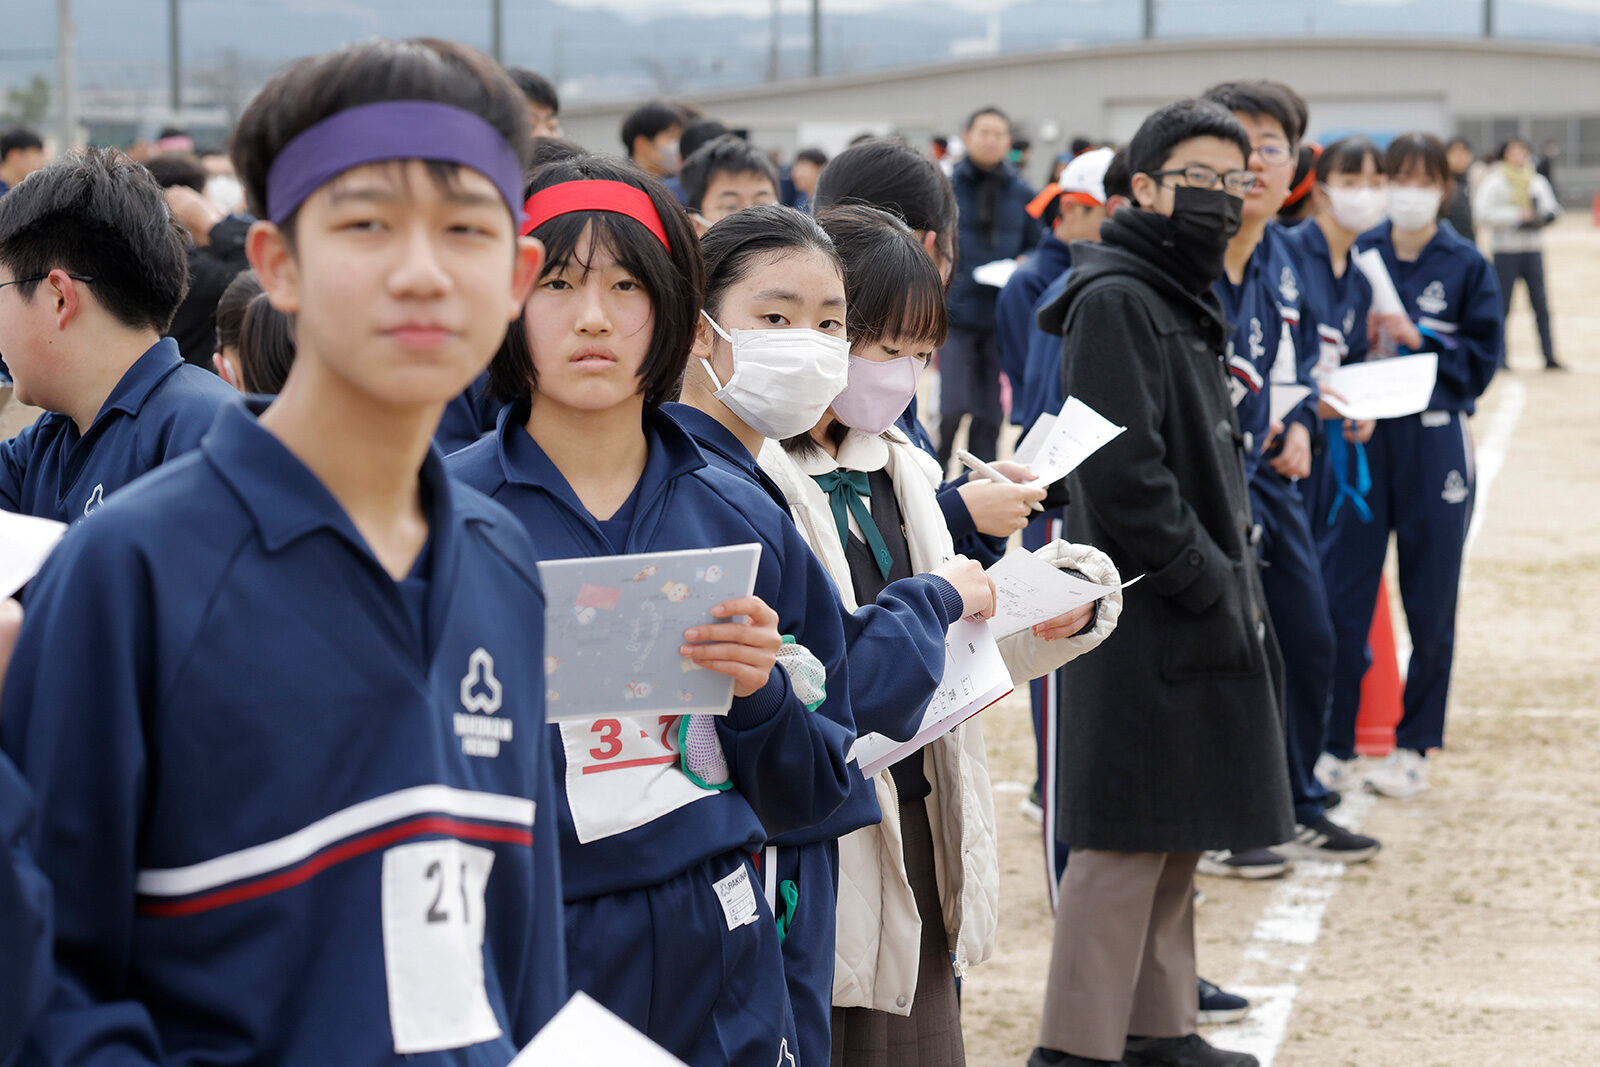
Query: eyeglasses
{"type": "Point", "coordinates": [1272, 153]}
{"type": "Point", "coordinates": [1200, 176]}
{"type": "Point", "coordinates": [86, 279]}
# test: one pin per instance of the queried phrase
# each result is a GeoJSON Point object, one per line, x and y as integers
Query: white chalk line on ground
{"type": "Point", "coordinates": [1281, 945]}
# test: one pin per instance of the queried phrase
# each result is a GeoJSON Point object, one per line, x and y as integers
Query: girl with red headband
{"type": "Point", "coordinates": [665, 925]}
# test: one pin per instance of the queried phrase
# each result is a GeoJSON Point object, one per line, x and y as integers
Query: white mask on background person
{"type": "Point", "coordinates": [1357, 209]}
{"type": "Point", "coordinates": [783, 380]}
{"type": "Point", "coordinates": [1411, 208]}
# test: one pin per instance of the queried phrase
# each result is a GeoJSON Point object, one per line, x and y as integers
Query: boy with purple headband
{"type": "Point", "coordinates": [281, 702]}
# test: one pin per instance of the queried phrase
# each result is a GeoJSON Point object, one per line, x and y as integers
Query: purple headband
{"type": "Point", "coordinates": [389, 130]}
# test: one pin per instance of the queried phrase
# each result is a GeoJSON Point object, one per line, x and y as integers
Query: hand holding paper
{"type": "Point", "coordinates": [1058, 443]}
{"type": "Point", "coordinates": [1029, 591]}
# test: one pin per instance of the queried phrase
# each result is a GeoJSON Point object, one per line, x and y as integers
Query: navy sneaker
{"type": "Point", "coordinates": [1218, 1006]}
{"type": "Point", "coordinates": [1252, 863]}
{"type": "Point", "coordinates": [1324, 839]}
{"type": "Point", "coordinates": [1049, 1057]}
{"type": "Point", "coordinates": [1190, 1051]}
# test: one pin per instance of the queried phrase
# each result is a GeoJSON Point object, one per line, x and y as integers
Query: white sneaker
{"type": "Point", "coordinates": [1403, 773]}
{"type": "Point", "coordinates": [1338, 775]}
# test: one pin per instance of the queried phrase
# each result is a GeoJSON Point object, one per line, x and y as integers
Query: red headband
{"type": "Point", "coordinates": [1303, 186]}
{"type": "Point", "coordinates": [618, 197]}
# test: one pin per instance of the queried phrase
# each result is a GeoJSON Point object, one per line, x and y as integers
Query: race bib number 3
{"type": "Point", "coordinates": [624, 773]}
{"type": "Point", "coordinates": [433, 916]}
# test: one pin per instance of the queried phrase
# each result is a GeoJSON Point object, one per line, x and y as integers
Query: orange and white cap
{"type": "Point", "coordinates": [1084, 179]}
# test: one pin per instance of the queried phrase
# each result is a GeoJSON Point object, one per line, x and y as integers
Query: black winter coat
{"type": "Point", "coordinates": [1171, 735]}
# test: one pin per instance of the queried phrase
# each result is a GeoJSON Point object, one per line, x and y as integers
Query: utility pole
{"type": "Point", "coordinates": [816, 38]}
{"type": "Point", "coordinates": [773, 53]}
{"type": "Point", "coordinates": [1149, 20]}
{"type": "Point", "coordinates": [497, 31]}
{"type": "Point", "coordinates": [175, 58]}
{"type": "Point", "coordinates": [1488, 18]}
{"type": "Point", "coordinates": [66, 76]}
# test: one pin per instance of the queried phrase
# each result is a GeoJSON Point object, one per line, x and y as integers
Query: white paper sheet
{"type": "Point", "coordinates": [1383, 388]}
{"type": "Point", "coordinates": [1385, 298]}
{"type": "Point", "coordinates": [1029, 591]}
{"type": "Point", "coordinates": [25, 542]}
{"type": "Point", "coordinates": [1284, 399]}
{"type": "Point", "coordinates": [614, 624]}
{"type": "Point", "coordinates": [1058, 443]}
{"type": "Point", "coordinates": [975, 676]}
{"type": "Point", "coordinates": [586, 1034]}
{"type": "Point", "coordinates": [996, 272]}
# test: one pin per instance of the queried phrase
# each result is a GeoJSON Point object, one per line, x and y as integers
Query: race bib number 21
{"type": "Point", "coordinates": [433, 894]}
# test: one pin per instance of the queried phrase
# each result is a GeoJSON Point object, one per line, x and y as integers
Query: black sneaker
{"type": "Point", "coordinates": [1049, 1057]}
{"type": "Point", "coordinates": [1190, 1051]}
{"type": "Point", "coordinates": [1324, 839]}
{"type": "Point", "coordinates": [1252, 863]}
{"type": "Point", "coordinates": [1219, 1006]}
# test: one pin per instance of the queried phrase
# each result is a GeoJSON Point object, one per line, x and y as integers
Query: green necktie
{"type": "Point", "coordinates": [845, 490]}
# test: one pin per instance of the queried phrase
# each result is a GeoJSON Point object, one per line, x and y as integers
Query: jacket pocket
{"type": "Point", "coordinates": [1222, 640]}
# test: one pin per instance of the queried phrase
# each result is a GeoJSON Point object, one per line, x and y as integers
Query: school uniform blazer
{"type": "Point", "coordinates": [159, 410]}
{"type": "Point", "coordinates": [283, 825]}
{"type": "Point", "coordinates": [879, 931]}
{"type": "Point", "coordinates": [25, 966]}
{"type": "Point", "coordinates": [1173, 738]}
{"type": "Point", "coordinates": [1451, 293]}
{"type": "Point", "coordinates": [787, 764]}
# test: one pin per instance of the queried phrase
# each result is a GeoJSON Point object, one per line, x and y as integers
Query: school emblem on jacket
{"type": "Point", "coordinates": [481, 696]}
{"type": "Point", "coordinates": [1433, 299]}
{"type": "Point", "coordinates": [1455, 488]}
{"type": "Point", "coordinates": [1258, 347]}
{"type": "Point", "coordinates": [1288, 287]}
{"type": "Point", "coordinates": [96, 498]}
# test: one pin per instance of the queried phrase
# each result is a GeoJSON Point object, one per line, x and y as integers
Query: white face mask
{"type": "Point", "coordinates": [783, 380]}
{"type": "Point", "coordinates": [1357, 209]}
{"type": "Point", "coordinates": [1412, 208]}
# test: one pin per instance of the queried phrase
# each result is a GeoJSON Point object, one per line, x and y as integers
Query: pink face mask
{"type": "Point", "coordinates": [878, 392]}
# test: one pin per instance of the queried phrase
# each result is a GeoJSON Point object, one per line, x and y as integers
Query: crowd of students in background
{"type": "Point", "coordinates": [249, 811]}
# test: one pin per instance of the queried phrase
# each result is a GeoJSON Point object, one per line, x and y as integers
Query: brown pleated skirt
{"type": "Point", "coordinates": [931, 1035]}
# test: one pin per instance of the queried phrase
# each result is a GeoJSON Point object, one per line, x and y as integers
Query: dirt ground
{"type": "Point", "coordinates": [1474, 937]}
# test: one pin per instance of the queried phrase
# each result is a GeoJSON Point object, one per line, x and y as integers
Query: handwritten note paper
{"type": "Point", "coordinates": [614, 624]}
{"type": "Point", "coordinates": [975, 676]}
{"type": "Point", "coordinates": [25, 542]}
{"type": "Point", "coordinates": [1058, 443]}
{"type": "Point", "coordinates": [1383, 388]}
{"type": "Point", "coordinates": [1029, 591]}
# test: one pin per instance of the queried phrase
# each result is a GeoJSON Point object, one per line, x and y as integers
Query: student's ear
{"type": "Point", "coordinates": [701, 349]}
{"type": "Point", "coordinates": [1145, 191]}
{"type": "Point", "coordinates": [525, 274]}
{"type": "Point", "coordinates": [930, 243]}
{"type": "Point", "coordinates": [67, 296]}
{"type": "Point", "coordinates": [268, 251]}
{"type": "Point", "coordinates": [227, 371]}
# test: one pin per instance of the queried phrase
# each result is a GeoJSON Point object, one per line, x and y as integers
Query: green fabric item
{"type": "Point", "coordinates": [845, 490]}
{"type": "Point", "coordinates": [788, 903]}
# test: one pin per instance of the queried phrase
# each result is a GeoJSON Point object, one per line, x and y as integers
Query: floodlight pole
{"type": "Point", "coordinates": [1149, 20]}
{"type": "Point", "coordinates": [66, 76]}
{"type": "Point", "coordinates": [175, 58]}
{"type": "Point", "coordinates": [497, 31]}
{"type": "Point", "coordinates": [773, 47]}
{"type": "Point", "coordinates": [816, 38]}
{"type": "Point", "coordinates": [1488, 18]}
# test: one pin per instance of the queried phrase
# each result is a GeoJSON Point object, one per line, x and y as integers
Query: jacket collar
{"type": "Point", "coordinates": [1094, 260]}
{"type": "Point", "coordinates": [857, 452]}
{"type": "Point", "coordinates": [141, 379]}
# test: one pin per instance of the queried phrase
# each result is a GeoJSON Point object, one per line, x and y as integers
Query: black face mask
{"type": "Point", "coordinates": [1209, 217]}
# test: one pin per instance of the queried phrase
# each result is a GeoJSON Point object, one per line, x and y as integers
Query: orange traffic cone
{"type": "Point", "coordinates": [1380, 689]}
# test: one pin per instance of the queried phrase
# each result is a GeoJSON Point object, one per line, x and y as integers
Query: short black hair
{"type": "Point", "coordinates": [673, 276]}
{"type": "Point", "coordinates": [892, 288]}
{"type": "Point", "coordinates": [178, 168]}
{"type": "Point", "coordinates": [1263, 97]}
{"type": "Point", "coordinates": [97, 213]}
{"type": "Point", "coordinates": [814, 156]}
{"type": "Point", "coordinates": [1080, 145]}
{"type": "Point", "coordinates": [266, 347]}
{"type": "Point", "coordinates": [1504, 146]}
{"type": "Point", "coordinates": [698, 132]}
{"type": "Point", "coordinates": [245, 287]}
{"type": "Point", "coordinates": [1118, 180]}
{"type": "Point", "coordinates": [1407, 152]}
{"type": "Point", "coordinates": [1458, 140]}
{"type": "Point", "coordinates": [988, 110]}
{"type": "Point", "coordinates": [890, 174]}
{"type": "Point", "coordinates": [1167, 127]}
{"type": "Point", "coordinates": [733, 244]}
{"type": "Point", "coordinates": [553, 149]}
{"type": "Point", "coordinates": [647, 121]}
{"type": "Point", "coordinates": [536, 88]}
{"type": "Point", "coordinates": [171, 131]}
{"type": "Point", "coordinates": [318, 87]}
{"type": "Point", "coordinates": [1346, 155]}
{"type": "Point", "coordinates": [728, 154]}
{"type": "Point", "coordinates": [18, 139]}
